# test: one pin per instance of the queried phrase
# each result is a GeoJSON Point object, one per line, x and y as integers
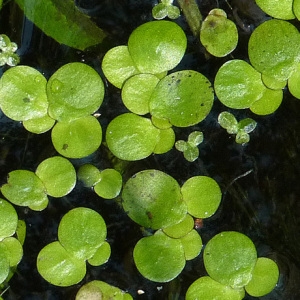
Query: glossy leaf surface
{"type": "Point", "coordinates": [184, 98]}
{"type": "Point", "coordinates": [159, 257]}
{"type": "Point", "coordinates": [157, 46]}
{"type": "Point", "coordinates": [153, 199]}
{"type": "Point", "coordinates": [229, 258]}
{"type": "Point", "coordinates": [63, 22]}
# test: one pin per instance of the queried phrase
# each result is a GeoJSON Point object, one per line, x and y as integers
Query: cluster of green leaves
{"type": "Point", "coordinates": [81, 237]}
{"type": "Point", "coordinates": [190, 147]}
{"type": "Point", "coordinates": [230, 259]}
{"type": "Point", "coordinates": [12, 236]}
{"type": "Point", "coordinates": [156, 102]}
{"type": "Point", "coordinates": [155, 200]}
{"type": "Point", "coordinates": [7, 51]}
{"type": "Point", "coordinates": [165, 9]}
{"type": "Point", "coordinates": [106, 183]}
{"type": "Point", "coordinates": [181, 99]}
{"type": "Point", "coordinates": [242, 128]}
{"type": "Point", "coordinates": [55, 176]}
{"type": "Point", "coordinates": [64, 102]}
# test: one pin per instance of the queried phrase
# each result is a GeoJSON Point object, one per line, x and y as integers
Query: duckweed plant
{"type": "Point", "coordinates": [160, 100]}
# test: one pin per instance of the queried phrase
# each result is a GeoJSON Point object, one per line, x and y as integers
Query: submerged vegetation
{"type": "Point", "coordinates": [134, 158]}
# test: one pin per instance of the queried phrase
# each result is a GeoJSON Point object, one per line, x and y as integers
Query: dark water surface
{"type": "Point", "coordinates": [260, 181]}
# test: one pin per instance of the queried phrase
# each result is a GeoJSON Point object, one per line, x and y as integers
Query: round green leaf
{"type": "Point", "coordinates": [296, 8]}
{"type": "Point", "coordinates": [97, 290]}
{"type": "Point", "coordinates": [161, 123]}
{"type": "Point", "coordinates": [39, 125]}
{"type": "Point", "coordinates": [195, 138]}
{"type": "Point", "coordinates": [228, 121]}
{"type": "Point", "coordinates": [180, 229]}
{"type": "Point", "coordinates": [21, 231]}
{"type": "Point", "coordinates": [89, 291]}
{"type": "Point", "coordinates": [117, 65]}
{"type": "Point", "coordinates": [9, 219]}
{"type": "Point", "coordinates": [192, 244]}
{"type": "Point", "coordinates": [157, 46]}
{"type": "Point", "coordinates": [89, 175]}
{"type": "Point", "coordinates": [282, 9]}
{"type": "Point", "coordinates": [184, 98]}
{"type": "Point", "coordinates": [159, 258]}
{"type": "Point", "coordinates": [264, 277]}
{"type": "Point", "coordinates": [268, 102]}
{"type": "Point", "coordinates": [110, 184]}
{"type": "Point", "coordinates": [238, 85]}
{"type": "Point", "coordinates": [293, 83]}
{"type": "Point", "coordinates": [136, 92]}
{"type": "Point", "coordinates": [24, 188]}
{"type": "Point", "coordinates": [273, 83]}
{"type": "Point", "coordinates": [131, 137]}
{"type": "Point", "coordinates": [273, 49]}
{"type": "Point", "coordinates": [101, 256]}
{"type": "Point", "coordinates": [82, 231]}
{"type": "Point", "coordinates": [78, 138]}
{"type": "Point", "coordinates": [166, 141]}
{"type": "Point", "coordinates": [159, 11]}
{"type": "Point", "coordinates": [218, 35]}
{"type": "Point", "coordinates": [202, 195]}
{"type": "Point", "coordinates": [60, 267]}
{"type": "Point", "coordinates": [14, 250]}
{"type": "Point", "coordinates": [205, 288]}
{"type": "Point", "coordinates": [58, 176]}
{"type": "Point", "coordinates": [23, 93]}
{"type": "Point", "coordinates": [4, 263]}
{"type": "Point", "coordinates": [75, 90]}
{"type": "Point", "coordinates": [153, 199]}
{"type": "Point", "coordinates": [229, 258]}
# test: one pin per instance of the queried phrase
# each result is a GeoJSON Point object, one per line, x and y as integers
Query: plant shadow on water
{"type": "Point", "coordinates": [259, 181]}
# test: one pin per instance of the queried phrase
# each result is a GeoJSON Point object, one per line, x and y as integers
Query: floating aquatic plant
{"type": "Point", "coordinates": [190, 148]}
{"type": "Point", "coordinates": [242, 128]}
{"type": "Point", "coordinates": [165, 9]}
{"type": "Point", "coordinates": [7, 51]}
{"type": "Point", "coordinates": [218, 34]}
